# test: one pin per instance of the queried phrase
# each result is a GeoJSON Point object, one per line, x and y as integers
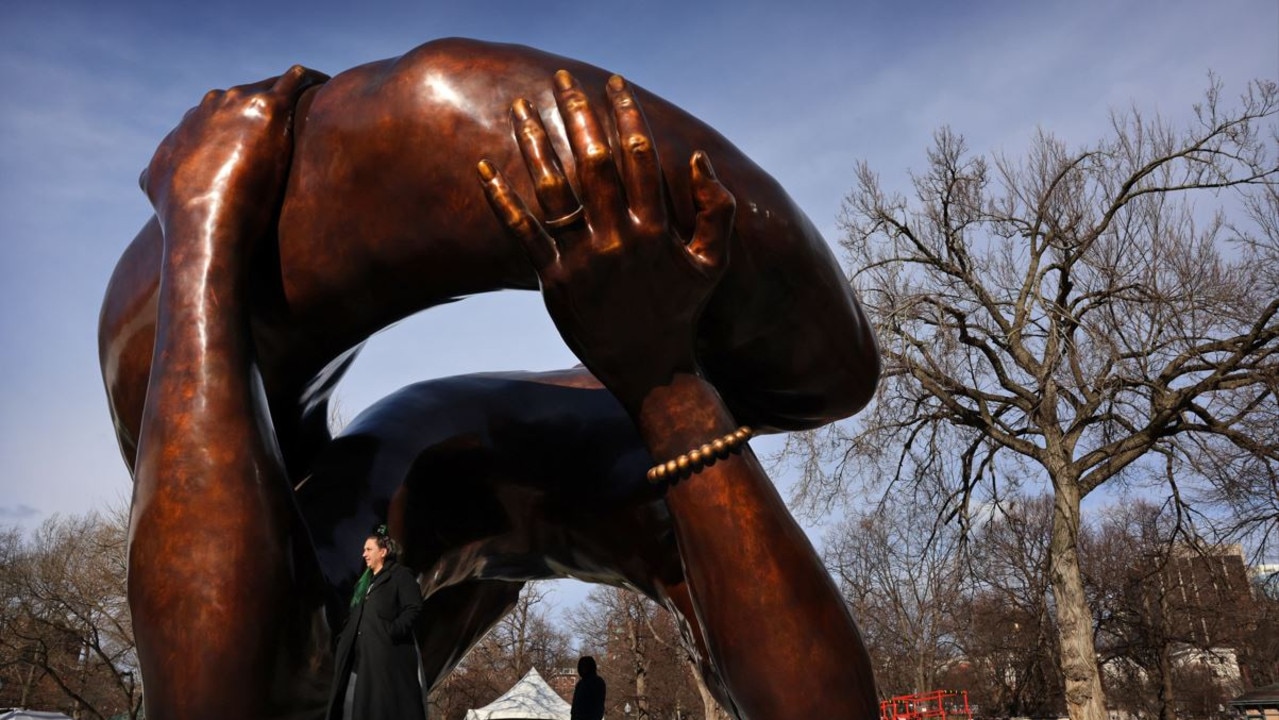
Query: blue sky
{"type": "Point", "coordinates": [806, 89]}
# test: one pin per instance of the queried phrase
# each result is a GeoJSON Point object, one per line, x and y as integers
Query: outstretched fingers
{"type": "Point", "coordinates": [560, 206]}
{"type": "Point", "coordinates": [601, 190]}
{"type": "Point", "coordinates": [514, 214]}
{"type": "Point", "coordinates": [641, 168]}
{"type": "Point", "coordinates": [618, 200]}
{"type": "Point", "coordinates": [716, 209]}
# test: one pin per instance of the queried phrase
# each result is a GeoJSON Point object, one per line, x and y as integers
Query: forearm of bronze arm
{"type": "Point", "coordinates": [745, 559]}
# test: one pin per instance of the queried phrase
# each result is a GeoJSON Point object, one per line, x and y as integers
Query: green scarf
{"type": "Point", "coordinates": [362, 587]}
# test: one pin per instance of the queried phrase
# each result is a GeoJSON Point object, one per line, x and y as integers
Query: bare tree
{"type": "Point", "coordinates": [1174, 618]}
{"type": "Point", "coordinates": [527, 637]}
{"type": "Point", "coordinates": [1261, 656]}
{"type": "Point", "coordinates": [524, 638]}
{"type": "Point", "coordinates": [1076, 314]}
{"type": "Point", "coordinates": [1007, 634]}
{"type": "Point", "coordinates": [66, 639]}
{"type": "Point", "coordinates": [940, 608]}
{"type": "Point", "coordinates": [902, 574]}
{"type": "Point", "coordinates": [639, 650]}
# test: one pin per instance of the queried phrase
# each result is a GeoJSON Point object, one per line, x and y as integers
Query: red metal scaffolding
{"type": "Point", "coordinates": [935, 705]}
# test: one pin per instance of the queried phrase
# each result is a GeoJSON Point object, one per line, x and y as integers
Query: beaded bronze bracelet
{"type": "Point", "coordinates": [698, 458]}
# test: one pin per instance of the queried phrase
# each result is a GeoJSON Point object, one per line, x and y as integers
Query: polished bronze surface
{"type": "Point", "coordinates": [294, 219]}
{"type": "Point", "coordinates": [381, 218]}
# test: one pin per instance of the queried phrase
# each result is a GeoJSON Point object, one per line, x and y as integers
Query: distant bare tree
{"type": "Point", "coordinates": [641, 655]}
{"type": "Point", "coordinates": [903, 576]}
{"type": "Point", "coordinates": [1168, 612]}
{"type": "Point", "coordinates": [1261, 659]}
{"type": "Point", "coordinates": [1007, 634]}
{"type": "Point", "coordinates": [525, 638]}
{"type": "Point", "coordinates": [1078, 314]}
{"type": "Point", "coordinates": [66, 641]}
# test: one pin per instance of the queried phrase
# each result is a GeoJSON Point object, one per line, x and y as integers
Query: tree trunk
{"type": "Point", "coordinates": [29, 684]}
{"type": "Point", "coordinates": [1165, 692]}
{"type": "Point", "coordinates": [639, 663]}
{"type": "Point", "coordinates": [1084, 698]}
{"type": "Point", "coordinates": [711, 709]}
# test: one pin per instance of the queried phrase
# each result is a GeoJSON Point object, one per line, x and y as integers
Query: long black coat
{"type": "Point", "coordinates": [588, 698]}
{"type": "Point", "coordinates": [378, 641]}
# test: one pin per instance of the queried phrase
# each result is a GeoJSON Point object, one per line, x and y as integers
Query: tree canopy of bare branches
{"type": "Point", "coordinates": [902, 574]}
{"type": "Point", "coordinates": [648, 664]}
{"type": "Point", "coordinates": [941, 609]}
{"type": "Point", "coordinates": [1179, 625]}
{"type": "Point", "coordinates": [66, 641]}
{"type": "Point", "coordinates": [526, 637]}
{"type": "Point", "coordinates": [1077, 317]}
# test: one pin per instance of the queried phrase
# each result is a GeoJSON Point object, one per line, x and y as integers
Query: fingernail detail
{"type": "Point", "coordinates": [704, 164]}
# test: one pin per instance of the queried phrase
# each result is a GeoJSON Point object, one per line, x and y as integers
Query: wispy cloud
{"type": "Point", "coordinates": [15, 513]}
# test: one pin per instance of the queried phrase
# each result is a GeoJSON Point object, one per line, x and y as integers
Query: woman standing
{"type": "Point", "coordinates": [376, 668]}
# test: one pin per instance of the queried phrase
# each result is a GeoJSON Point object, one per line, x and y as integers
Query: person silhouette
{"type": "Point", "coordinates": [589, 692]}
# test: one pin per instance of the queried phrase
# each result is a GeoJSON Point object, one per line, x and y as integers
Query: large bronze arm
{"type": "Point", "coordinates": [382, 217]}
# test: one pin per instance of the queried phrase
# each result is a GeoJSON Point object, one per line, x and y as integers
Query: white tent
{"type": "Point", "coordinates": [19, 714]}
{"type": "Point", "coordinates": [529, 699]}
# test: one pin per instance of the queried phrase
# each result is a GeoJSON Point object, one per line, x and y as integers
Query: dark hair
{"type": "Point", "coordinates": [385, 542]}
{"type": "Point", "coordinates": [586, 666]}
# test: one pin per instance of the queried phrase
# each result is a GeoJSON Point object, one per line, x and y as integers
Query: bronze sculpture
{"type": "Point", "coordinates": [297, 216]}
